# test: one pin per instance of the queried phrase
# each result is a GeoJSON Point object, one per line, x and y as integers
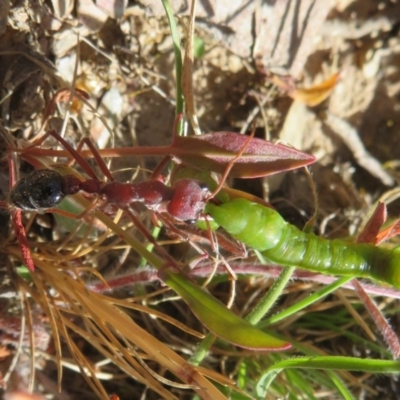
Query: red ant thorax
{"type": "Point", "coordinates": [151, 193]}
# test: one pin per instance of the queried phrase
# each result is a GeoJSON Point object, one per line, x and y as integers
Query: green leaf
{"type": "Point", "coordinates": [330, 363]}
{"type": "Point", "coordinates": [71, 205]}
{"type": "Point", "coordinates": [340, 363]}
{"type": "Point", "coordinates": [24, 273]}
{"type": "Point", "coordinates": [198, 47]}
{"type": "Point", "coordinates": [220, 320]}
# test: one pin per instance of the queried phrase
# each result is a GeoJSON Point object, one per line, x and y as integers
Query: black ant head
{"type": "Point", "coordinates": [40, 190]}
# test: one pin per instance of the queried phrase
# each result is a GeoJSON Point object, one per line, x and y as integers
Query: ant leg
{"type": "Point", "coordinates": [16, 216]}
{"type": "Point", "coordinates": [157, 172]}
{"type": "Point", "coordinates": [23, 241]}
{"type": "Point", "coordinates": [102, 165]}
{"type": "Point", "coordinates": [232, 163]}
{"type": "Point", "coordinates": [62, 95]}
{"type": "Point", "coordinates": [80, 160]}
{"type": "Point", "coordinates": [148, 236]}
{"type": "Point", "coordinates": [67, 214]}
{"type": "Point", "coordinates": [174, 231]}
{"type": "Point", "coordinates": [76, 155]}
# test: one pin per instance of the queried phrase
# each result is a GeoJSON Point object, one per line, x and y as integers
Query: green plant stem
{"type": "Point", "coordinates": [155, 233]}
{"type": "Point", "coordinates": [178, 55]}
{"type": "Point", "coordinates": [269, 299]}
{"type": "Point", "coordinates": [306, 302]}
{"type": "Point", "coordinates": [202, 350]}
{"type": "Point", "coordinates": [340, 363]}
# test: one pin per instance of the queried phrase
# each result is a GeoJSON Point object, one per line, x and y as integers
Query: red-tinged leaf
{"type": "Point", "coordinates": [371, 233]}
{"type": "Point", "coordinates": [389, 232]}
{"type": "Point", "coordinates": [214, 151]}
{"type": "Point", "coordinates": [220, 320]}
{"type": "Point", "coordinates": [371, 230]}
{"type": "Point", "coordinates": [382, 324]}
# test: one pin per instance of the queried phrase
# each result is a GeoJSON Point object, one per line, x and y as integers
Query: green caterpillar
{"type": "Point", "coordinates": [265, 230]}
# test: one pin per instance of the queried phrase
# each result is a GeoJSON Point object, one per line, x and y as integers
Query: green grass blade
{"type": "Point", "coordinates": [178, 55]}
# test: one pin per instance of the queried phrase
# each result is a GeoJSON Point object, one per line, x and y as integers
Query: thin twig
{"type": "Point", "coordinates": [352, 140]}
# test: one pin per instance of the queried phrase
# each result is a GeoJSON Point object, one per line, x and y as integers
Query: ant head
{"type": "Point", "coordinates": [189, 200]}
{"type": "Point", "coordinates": [40, 190]}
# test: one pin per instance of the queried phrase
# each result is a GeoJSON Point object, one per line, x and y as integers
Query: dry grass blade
{"type": "Point", "coordinates": [108, 323]}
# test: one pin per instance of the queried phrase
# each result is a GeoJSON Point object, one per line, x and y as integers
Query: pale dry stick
{"type": "Point", "coordinates": [352, 30]}
{"type": "Point", "coordinates": [18, 349]}
{"type": "Point", "coordinates": [151, 86]}
{"type": "Point", "coordinates": [157, 376]}
{"type": "Point", "coordinates": [72, 94]}
{"type": "Point", "coordinates": [355, 314]}
{"type": "Point", "coordinates": [156, 89]}
{"type": "Point", "coordinates": [105, 376]}
{"type": "Point", "coordinates": [13, 76]}
{"type": "Point", "coordinates": [187, 74]}
{"type": "Point", "coordinates": [325, 221]}
{"type": "Point", "coordinates": [232, 291]}
{"type": "Point", "coordinates": [33, 345]}
{"type": "Point", "coordinates": [214, 269]}
{"type": "Point", "coordinates": [350, 137]}
{"type": "Point", "coordinates": [94, 47]}
{"type": "Point", "coordinates": [42, 63]}
{"type": "Point", "coordinates": [390, 196]}
{"type": "Point", "coordinates": [258, 109]}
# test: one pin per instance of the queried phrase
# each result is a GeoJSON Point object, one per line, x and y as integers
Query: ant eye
{"type": "Point", "coordinates": [203, 187]}
{"type": "Point", "coordinates": [38, 191]}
